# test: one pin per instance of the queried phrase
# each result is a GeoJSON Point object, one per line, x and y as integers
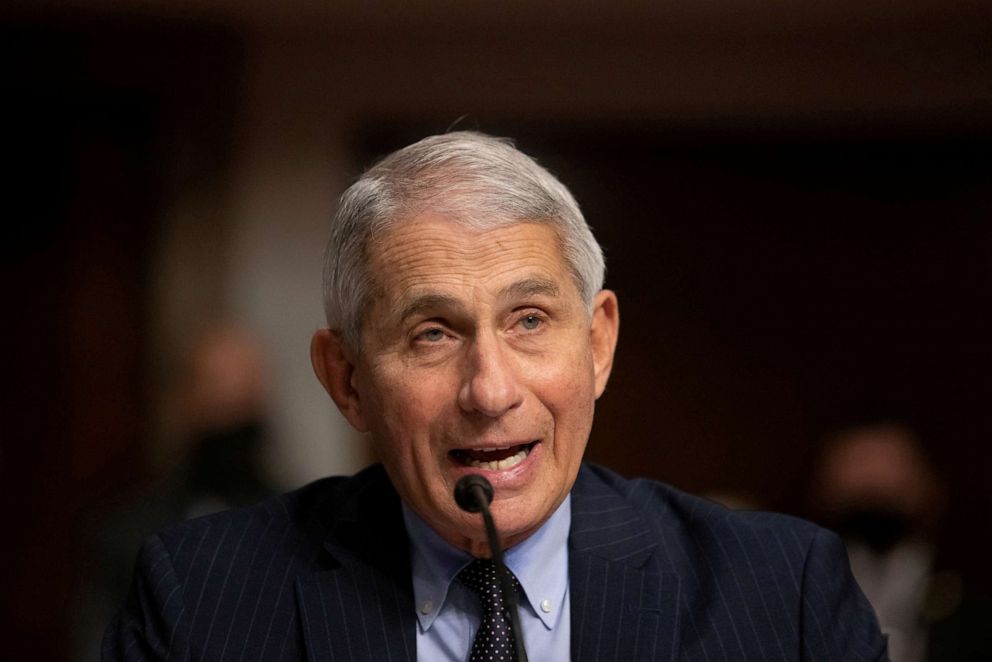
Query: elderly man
{"type": "Point", "coordinates": [469, 334]}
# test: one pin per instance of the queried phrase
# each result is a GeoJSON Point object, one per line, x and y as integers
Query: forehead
{"type": "Point", "coordinates": [431, 254]}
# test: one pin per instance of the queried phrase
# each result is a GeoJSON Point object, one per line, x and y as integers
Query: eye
{"type": "Point", "coordinates": [530, 322]}
{"type": "Point", "coordinates": [433, 335]}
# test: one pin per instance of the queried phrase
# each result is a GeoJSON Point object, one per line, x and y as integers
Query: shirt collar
{"type": "Point", "coordinates": [540, 564]}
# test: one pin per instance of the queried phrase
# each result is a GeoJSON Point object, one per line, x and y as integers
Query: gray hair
{"type": "Point", "coordinates": [481, 181]}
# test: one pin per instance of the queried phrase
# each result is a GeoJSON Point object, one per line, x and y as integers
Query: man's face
{"type": "Point", "coordinates": [479, 356]}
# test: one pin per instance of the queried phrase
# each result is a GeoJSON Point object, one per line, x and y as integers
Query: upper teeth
{"type": "Point", "coordinates": [500, 465]}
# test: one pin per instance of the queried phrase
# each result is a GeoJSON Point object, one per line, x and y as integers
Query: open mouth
{"type": "Point", "coordinates": [493, 459]}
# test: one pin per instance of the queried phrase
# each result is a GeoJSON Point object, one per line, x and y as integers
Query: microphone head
{"type": "Point", "coordinates": [470, 489]}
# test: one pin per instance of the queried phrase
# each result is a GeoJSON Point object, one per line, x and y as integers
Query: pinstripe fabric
{"type": "Point", "coordinates": [656, 574]}
{"type": "Point", "coordinates": [323, 574]}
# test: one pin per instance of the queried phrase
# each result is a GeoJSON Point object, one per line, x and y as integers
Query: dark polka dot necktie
{"type": "Point", "coordinates": [494, 641]}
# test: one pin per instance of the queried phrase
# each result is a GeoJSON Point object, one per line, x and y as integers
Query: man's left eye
{"type": "Point", "coordinates": [530, 322]}
{"type": "Point", "coordinates": [433, 335]}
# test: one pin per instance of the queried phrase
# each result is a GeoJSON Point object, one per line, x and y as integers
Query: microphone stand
{"type": "Point", "coordinates": [481, 494]}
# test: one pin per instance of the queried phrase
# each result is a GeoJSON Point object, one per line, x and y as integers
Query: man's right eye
{"type": "Point", "coordinates": [432, 335]}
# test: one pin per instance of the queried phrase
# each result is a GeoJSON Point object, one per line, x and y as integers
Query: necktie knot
{"type": "Point", "coordinates": [494, 640]}
{"type": "Point", "coordinates": [480, 576]}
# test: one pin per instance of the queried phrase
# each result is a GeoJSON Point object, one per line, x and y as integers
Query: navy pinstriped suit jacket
{"type": "Point", "coordinates": [655, 574]}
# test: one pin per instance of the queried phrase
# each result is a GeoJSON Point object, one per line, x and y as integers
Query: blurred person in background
{"type": "Point", "coordinates": [224, 407]}
{"type": "Point", "coordinates": [875, 485]}
{"type": "Point", "coordinates": [218, 411]}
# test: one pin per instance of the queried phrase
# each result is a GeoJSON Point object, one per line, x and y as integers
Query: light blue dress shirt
{"type": "Point", "coordinates": [448, 613]}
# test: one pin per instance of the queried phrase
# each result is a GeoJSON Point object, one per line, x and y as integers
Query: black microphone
{"type": "Point", "coordinates": [473, 494]}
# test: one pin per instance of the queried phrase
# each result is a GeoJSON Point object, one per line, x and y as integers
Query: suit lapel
{"type": "Point", "coordinates": [359, 604]}
{"type": "Point", "coordinates": [623, 607]}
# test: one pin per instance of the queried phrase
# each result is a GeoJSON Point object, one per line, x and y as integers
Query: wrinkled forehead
{"type": "Point", "coordinates": [434, 256]}
{"type": "Point", "coordinates": [460, 236]}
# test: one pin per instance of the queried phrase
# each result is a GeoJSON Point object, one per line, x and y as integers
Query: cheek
{"type": "Point", "coordinates": [567, 390]}
{"type": "Point", "coordinates": [402, 434]}
{"type": "Point", "coordinates": [411, 406]}
{"type": "Point", "coordinates": [569, 382]}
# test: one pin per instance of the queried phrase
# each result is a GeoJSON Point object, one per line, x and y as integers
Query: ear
{"type": "Point", "coordinates": [335, 369]}
{"type": "Point", "coordinates": [603, 336]}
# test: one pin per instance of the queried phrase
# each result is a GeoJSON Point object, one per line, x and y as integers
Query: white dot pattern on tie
{"type": "Point", "coordinates": [494, 641]}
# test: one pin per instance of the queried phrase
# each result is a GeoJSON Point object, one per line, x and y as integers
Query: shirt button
{"type": "Point", "coordinates": [426, 607]}
{"type": "Point", "coordinates": [546, 606]}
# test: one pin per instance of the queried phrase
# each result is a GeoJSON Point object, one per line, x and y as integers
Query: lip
{"type": "Point", "coordinates": [499, 444]}
{"type": "Point", "coordinates": [514, 477]}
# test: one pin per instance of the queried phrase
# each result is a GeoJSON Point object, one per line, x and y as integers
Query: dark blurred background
{"type": "Point", "coordinates": [794, 201]}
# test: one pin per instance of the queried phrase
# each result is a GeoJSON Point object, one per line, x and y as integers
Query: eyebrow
{"type": "Point", "coordinates": [530, 287]}
{"type": "Point", "coordinates": [425, 302]}
{"type": "Point", "coordinates": [521, 289]}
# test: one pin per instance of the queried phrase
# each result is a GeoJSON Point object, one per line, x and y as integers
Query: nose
{"type": "Point", "coordinates": [490, 385]}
